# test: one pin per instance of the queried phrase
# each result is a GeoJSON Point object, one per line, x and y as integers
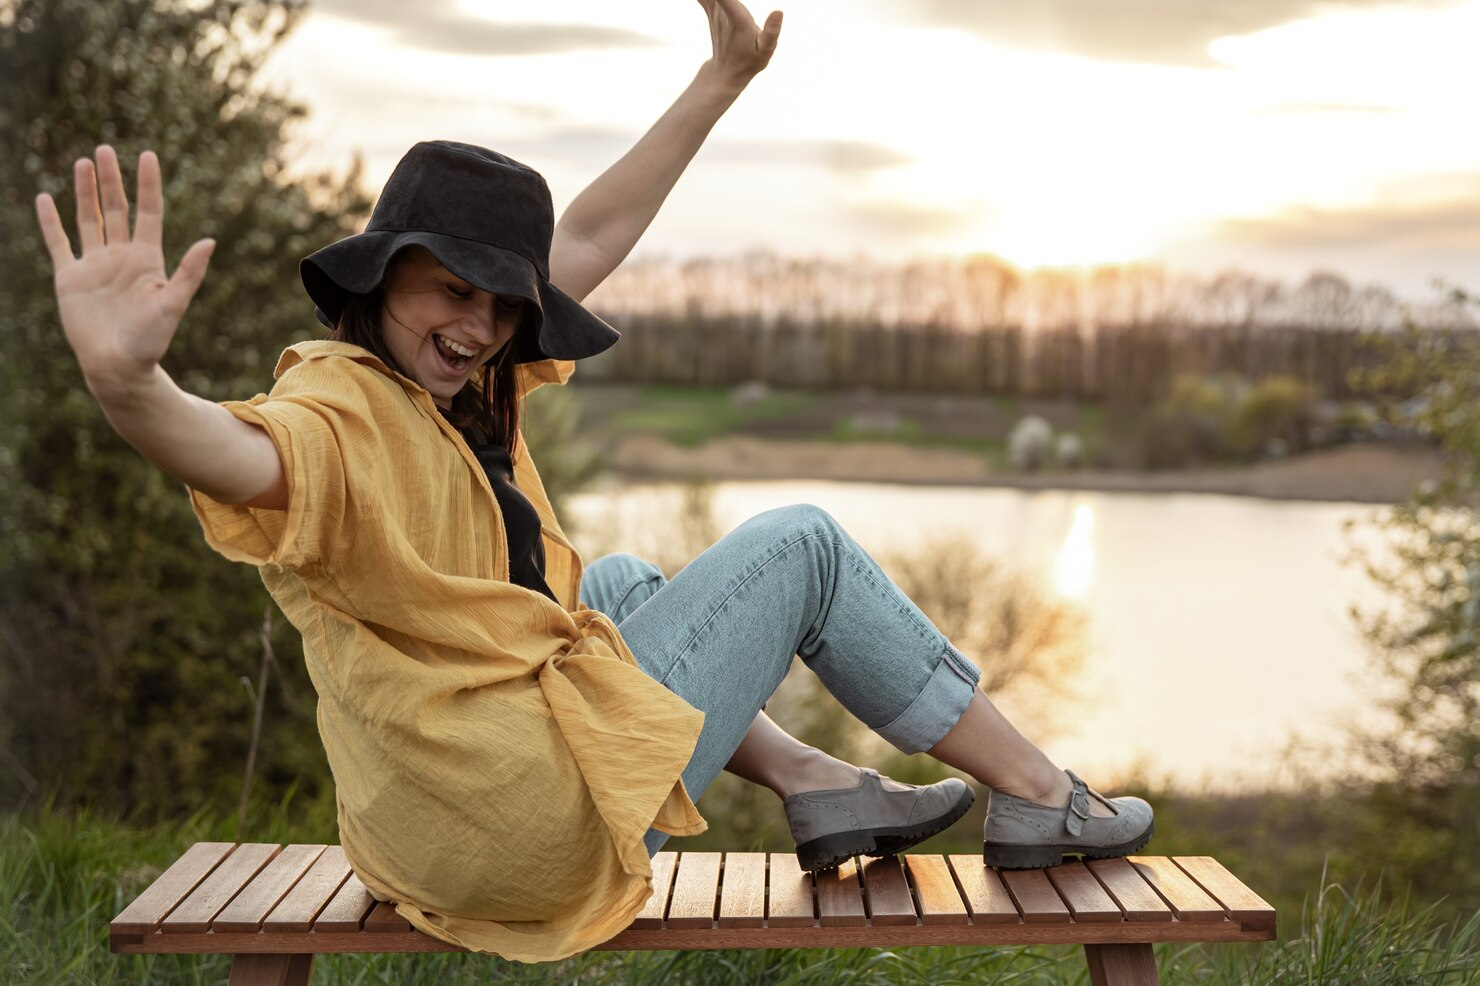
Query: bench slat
{"type": "Point", "coordinates": [249, 908]}
{"type": "Point", "coordinates": [840, 897]}
{"type": "Point", "coordinates": [1036, 897]}
{"type": "Point", "coordinates": [169, 888]}
{"type": "Point", "coordinates": [1188, 901]}
{"type": "Point", "coordinates": [217, 890]}
{"type": "Point", "coordinates": [1134, 895]}
{"type": "Point", "coordinates": [1242, 904]}
{"type": "Point", "coordinates": [985, 895]}
{"type": "Point", "coordinates": [694, 890]}
{"type": "Point", "coordinates": [1079, 889]}
{"type": "Point", "coordinates": [789, 903]}
{"type": "Point", "coordinates": [296, 911]}
{"type": "Point", "coordinates": [742, 901]}
{"type": "Point", "coordinates": [887, 892]}
{"type": "Point", "coordinates": [651, 915]}
{"type": "Point", "coordinates": [940, 901]}
{"type": "Point", "coordinates": [347, 910]}
{"type": "Point", "coordinates": [383, 920]}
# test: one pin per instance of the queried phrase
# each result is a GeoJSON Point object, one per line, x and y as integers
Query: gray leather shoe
{"type": "Point", "coordinates": [1021, 834]}
{"type": "Point", "coordinates": [879, 817]}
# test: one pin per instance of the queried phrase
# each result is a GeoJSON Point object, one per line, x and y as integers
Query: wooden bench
{"type": "Point", "coordinates": [274, 907]}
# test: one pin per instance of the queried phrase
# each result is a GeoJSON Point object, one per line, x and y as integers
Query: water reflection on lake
{"type": "Point", "coordinates": [1218, 625]}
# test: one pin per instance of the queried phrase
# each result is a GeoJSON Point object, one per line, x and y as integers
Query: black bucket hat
{"type": "Point", "coordinates": [485, 217]}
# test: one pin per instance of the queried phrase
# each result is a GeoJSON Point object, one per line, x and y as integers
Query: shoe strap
{"type": "Point", "coordinates": [1078, 805]}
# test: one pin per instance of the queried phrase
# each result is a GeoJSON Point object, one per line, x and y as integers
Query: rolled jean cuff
{"type": "Point", "coordinates": [938, 707]}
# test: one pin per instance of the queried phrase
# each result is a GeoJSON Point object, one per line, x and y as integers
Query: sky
{"type": "Point", "coordinates": [1275, 137]}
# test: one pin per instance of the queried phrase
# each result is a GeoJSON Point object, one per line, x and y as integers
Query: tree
{"type": "Point", "coordinates": [123, 638]}
{"type": "Point", "coordinates": [1424, 760]}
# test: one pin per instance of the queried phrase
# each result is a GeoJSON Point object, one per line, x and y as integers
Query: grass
{"type": "Point", "coordinates": [691, 416]}
{"type": "Point", "coordinates": [64, 875]}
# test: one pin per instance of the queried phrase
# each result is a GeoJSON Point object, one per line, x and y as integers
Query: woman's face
{"type": "Point", "coordinates": [439, 327]}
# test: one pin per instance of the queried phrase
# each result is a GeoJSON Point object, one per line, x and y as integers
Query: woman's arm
{"type": "Point", "coordinates": [119, 312]}
{"type": "Point", "coordinates": [604, 222]}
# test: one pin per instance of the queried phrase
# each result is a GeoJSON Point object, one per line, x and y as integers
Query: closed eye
{"type": "Point", "coordinates": [458, 292]}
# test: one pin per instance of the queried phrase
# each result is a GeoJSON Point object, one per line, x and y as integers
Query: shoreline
{"type": "Point", "coordinates": [1369, 472]}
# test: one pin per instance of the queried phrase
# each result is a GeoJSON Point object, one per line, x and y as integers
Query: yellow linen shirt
{"type": "Point", "coordinates": [497, 757]}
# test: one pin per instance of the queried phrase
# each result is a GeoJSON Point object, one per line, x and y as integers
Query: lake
{"type": "Point", "coordinates": [1218, 625]}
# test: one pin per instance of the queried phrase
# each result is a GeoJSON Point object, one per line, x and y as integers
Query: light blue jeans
{"type": "Point", "coordinates": [788, 582]}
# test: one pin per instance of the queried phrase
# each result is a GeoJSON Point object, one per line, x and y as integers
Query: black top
{"type": "Point", "coordinates": [521, 520]}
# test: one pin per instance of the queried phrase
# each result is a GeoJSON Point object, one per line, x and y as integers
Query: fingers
{"type": "Point", "coordinates": [770, 33]}
{"type": "Point", "coordinates": [115, 199]}
{"type": "Point", "coordinates": [188, 276]}
{"type": "Point", "coordinates": [52, 231]}
{"type": "Point", "coordinates": [149, 223]}
{"type": "Point", "coordinates": [89, 215]}
{"type": "Point", "coordinates": [737, 11]}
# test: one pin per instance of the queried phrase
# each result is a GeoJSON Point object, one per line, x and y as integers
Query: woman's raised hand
{"type": "Point", "coordinates": [740, 48]}
{"type": "Point", "coordinates": [119, 311]}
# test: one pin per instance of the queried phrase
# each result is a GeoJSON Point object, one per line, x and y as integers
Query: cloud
{"type": "Point", "coordinates": [1298, 109]}
{"type": "Point", "coordinates": [891, 220]}
{"type": "Point", "coordinates": [1167, 32]}
{"type": "Point", "coordinates": [1449, 220]}
{"type": "Point", "coordinates": [606, 144]}
{"type": "Point", "coordinates": [439, 25]}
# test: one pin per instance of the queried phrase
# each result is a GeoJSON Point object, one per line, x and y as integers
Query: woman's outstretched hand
{"type": "Point", "coordinates": [741, 49]}
{"type": "Point", "coordinates": [119, 310]}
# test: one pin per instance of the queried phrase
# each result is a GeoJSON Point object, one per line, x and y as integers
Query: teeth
{"type": "Point", "coordinates": [460, 350]}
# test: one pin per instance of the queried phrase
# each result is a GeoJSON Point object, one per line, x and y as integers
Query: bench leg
{"type": "Point", "coordinates": [1121, 965]}
{"type": "Point", "coordinates": [270, 970]}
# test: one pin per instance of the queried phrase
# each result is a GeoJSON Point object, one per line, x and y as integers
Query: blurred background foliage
{"type": "Point", "coordinates": [124, 639]}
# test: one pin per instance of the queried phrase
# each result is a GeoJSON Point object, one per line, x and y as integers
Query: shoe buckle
{"type": "Point", "coordinates": [1078, 810]}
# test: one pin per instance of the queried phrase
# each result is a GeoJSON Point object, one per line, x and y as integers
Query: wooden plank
{"type": "Point", "coordinates": [840, 897]}
{"type": "Point", "coordinates": [789, 898]}
{"type": "Point", "coordinates": [1079, 889]}
{"type": "Point", "coordinates": [706, 938]}
{"type": "Point", "coordinates": [940, 901]}
{"type": "Point", "coordinates": [1134, 895]}
{"type": "Point", "coordinates": [346, 912]}
{"type": "Point", "coordinates": [216, 891]}
{"type": "Point", "coordinates": [886, 893]}
{"type": "Point", "coordinates": [1187, 899]}
{"type": "Point", "coordinates": [1037, 900]}
{"type": "Point", "coordinates": [249, 909]}
{"type": "Point", "coordinates": [694, 890]}
{"type": "Point", "coordinates": [651, 915]}
{"type": "Point", "coordinates": [1241, 903]}
{"type": "Point", "coordinates": [981, 887]}
{"type": "Point", "coordinates": [169, 888]}
{"type": "Point", "coordinates": [383, 919]}
{"type": "Point", "coordinates": [296, 911]}
{"type": "Point", "coordinates": [742, 902]}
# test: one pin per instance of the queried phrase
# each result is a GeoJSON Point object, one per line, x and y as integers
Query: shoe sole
{"type": "Point", "coordinates": [828, 852]}
{"type": "Point", "coordinates": [1011, 857]}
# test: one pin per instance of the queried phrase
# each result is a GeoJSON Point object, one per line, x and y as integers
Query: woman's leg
{"type": "Point", "coordinates": [617, 584]}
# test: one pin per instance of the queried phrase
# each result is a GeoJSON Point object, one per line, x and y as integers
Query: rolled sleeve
{"type": "Point", "coordinates": [313, 462]}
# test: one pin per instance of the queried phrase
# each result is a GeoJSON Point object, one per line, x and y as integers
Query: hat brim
{"type": "Point", "coordinates": [555, 325]}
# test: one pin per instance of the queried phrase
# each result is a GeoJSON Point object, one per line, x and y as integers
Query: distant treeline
{"type": "Point", "coordinates": [1132, 364]}
{"type": "Point", "coordinates": [978, 325]}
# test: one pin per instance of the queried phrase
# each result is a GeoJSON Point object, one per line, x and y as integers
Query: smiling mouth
{"type": "Point", "coordinates": [456, 356]}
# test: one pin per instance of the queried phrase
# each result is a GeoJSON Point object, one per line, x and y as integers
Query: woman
{"type": "Point", "coordinates": [507, 758]}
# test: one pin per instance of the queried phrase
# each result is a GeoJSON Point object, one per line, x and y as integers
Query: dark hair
{"type": "Point", "coordinates": [490, 412]}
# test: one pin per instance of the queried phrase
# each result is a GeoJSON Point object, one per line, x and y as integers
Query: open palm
{"type": "Point", "coordinates": [119, 310]}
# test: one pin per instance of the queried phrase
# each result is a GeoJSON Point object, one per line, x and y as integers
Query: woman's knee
{"type": "Point", "coordinates": [621, 565]}
{"type": "Point", "coordinates": [610, 582]}
{"type": "Point", "coordinates": [800, 518]}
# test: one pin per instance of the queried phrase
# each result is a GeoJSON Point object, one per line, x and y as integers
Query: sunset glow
{"type": "Point", "coordinates": [900, 129]}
